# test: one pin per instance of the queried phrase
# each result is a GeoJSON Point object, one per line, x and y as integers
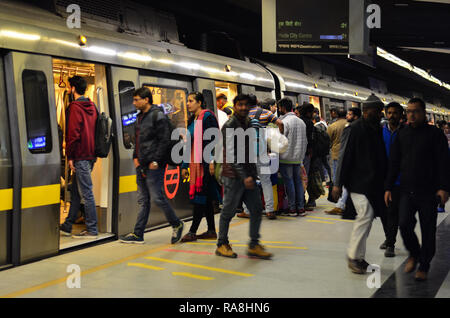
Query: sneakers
{"type": "Point", "coordinates": [310, 206]}
{"type": "Point", "coordinates": [208, 235]}
{"type": "Point", "coordinates": [259, 252]}
{"type": "Point", "coordinates": [383, 246]}
{"type": "Point", "coordinates": [301, 212]}
{"type": "Point", "coordinates": [420, 276]}
{"type": "Point", "coordinates": [189, 237]}
{"type": "Point", "coordinates": [357, 266]}
{"type": "Point", "coordinates": [225, 251]}
{"type": "Point", "coordinates": [390, 251]}
{"type": "Point", "coordinates": [293, 213]}
{"type": "Point", "coordinates": [410, 265]}
{"type": "Point", "coordinates": [271, 215]}
{"type": "Point", "coordinates": [335, 211]}
{"type": "Point", "coordinates": [64, 231]}
{"type": "Point", "coordinates": [85, 235]}
{"type": "Point", "coordinates": [177, 231]}
{"type": "Point", "coordinates": [243, 215]}
{"type": "Point", "coordinates": [131, 238]}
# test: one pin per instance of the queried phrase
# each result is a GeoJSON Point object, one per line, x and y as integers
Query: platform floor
{"type": "Point", "coordinates": [309, 261]}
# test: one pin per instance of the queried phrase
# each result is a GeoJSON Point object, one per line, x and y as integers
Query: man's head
{"type": "Point", "coordinates": [77, 85]}
{"type": "Point", "coordinates": [285, 105]}
{"type": "Point", "coordinates": [316, 119]}
{"type": "Point", "coordinates": [307, 110]}
{"type": "Point", "coordinates": [353, 114]}
{"type": "Point", "coordinates": [333, 113]}
{"type": "Point", "coordinates": [372, 109]}
{"type": "Point", "coordinates": [252, 100]}
{"type": "Point", "coordinates": [415, 112]}
{"type": "Point", "coordinates": [221, 100]}
{"type": "Point", "coordinates": [142, 98]}
{"type": "Point", "coordinates": [270, 104]}
{"type": "Point", "coordinates": [297, 111]}
{"type": "Point", "coordinates": [447, 128]}
{"type": "Point", "coordinates": [341, 113]}
{"type": "Point", "coordinates": [394, 113]}
{"type": "Point", "coordinates": [241, 105]}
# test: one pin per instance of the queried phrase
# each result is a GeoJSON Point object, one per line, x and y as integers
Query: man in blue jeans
{"type": "Point", "coordinates": [291, 160]}
{"type": "Point", "coordinates": [150, 159]}
{"type": "Point", "coordinates": [80, 148]}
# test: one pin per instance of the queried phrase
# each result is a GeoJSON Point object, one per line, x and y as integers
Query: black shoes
{"type": "Point", "coordinates": [383, 246]}
{"type": "Point", "coordinates": [390, 251]}
{"type": "Point", "coordinates": [357, 266]}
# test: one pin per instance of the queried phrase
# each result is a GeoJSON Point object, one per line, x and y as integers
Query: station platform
{"type": "Point", "coordinates": [309, 261]}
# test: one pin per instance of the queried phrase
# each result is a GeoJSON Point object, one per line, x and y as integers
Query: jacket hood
{"type": "Point", "coordinates": [86, 105]}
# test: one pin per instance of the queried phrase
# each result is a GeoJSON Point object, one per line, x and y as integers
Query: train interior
{"type": "Point", "coordinates": [229, 89]}
{"type": "Point", "coordinates": [102, 171]}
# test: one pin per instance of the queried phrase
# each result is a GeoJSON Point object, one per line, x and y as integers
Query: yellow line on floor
{"type": "Point", "coordinates": [192, 276]}
{"type": "Point", "coordinates": [245, 245]}
{"type": "Point", "coordinates": [275, 242]}
{"type": "Point", "coordinates": [317, 221]}
{"type": "Point", "coordinates": [333, 219]}
{"type": "Point", "coordinates": [86, 272]}
{"type": "Point", "coordinates": [156, 268]}
{"type": "Point", "coordinates": [215, 240]}
{"type": "Point", "coordinates": [221, 270]}
{"type": "Point", "coordinates": [285, 217]}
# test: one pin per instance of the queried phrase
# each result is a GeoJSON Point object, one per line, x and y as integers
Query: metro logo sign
{"type": "Point", "coordinates": [171, 181]}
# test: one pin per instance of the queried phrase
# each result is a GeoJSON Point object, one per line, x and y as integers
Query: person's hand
{"type": "Point", "coordinates": [387, 197]}
{"type": "Point", "coordinates": [71, 166]}
{"type": "Point", "coordinates": [153, 166]}
{"type": "Point", "coordinates": [443, 195]}
{"type": "Point", "coordinates": [211, 168]}
{"type": "Point", "coordinates": [249, 183]}
{"type": "Point", "coordinates": [336, 192]}
{"type": "Point", "coordinates": [184, 173]}
{"type": "Point", "coordinates": [136, 162]}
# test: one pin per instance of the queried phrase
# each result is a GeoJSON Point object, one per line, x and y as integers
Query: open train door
{"type": "Point", "coordinates": [35, 154]}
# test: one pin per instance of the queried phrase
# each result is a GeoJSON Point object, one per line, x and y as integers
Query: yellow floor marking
{"type": "Point", "coordinates": [245, 245]}
{"type": "Point", "coordinates": [192, 276]}
{"type": "Point", "coordinates": [333, 219]}
{"type": "Point", "coordinates": [156, 268]}
{"type": "Point", "coordinates": [216, 269]}
{"type": "Point", "coordinates": [86, 272]}
{"type": "Point", "coordinates": [285, 217]}
{"type": "Point", "coordinates": [214, 240]}
{"type": "Point", "coordinates": [317, 221]}
{"type": "Point", "coordinates": [275, 242]}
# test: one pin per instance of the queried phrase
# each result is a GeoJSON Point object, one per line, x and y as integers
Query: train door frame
{"type": "Point", "coordinates": [36, 200]}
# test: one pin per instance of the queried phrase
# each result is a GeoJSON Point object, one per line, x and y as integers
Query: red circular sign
{"type": "Point", "coordinates": [171, 181]}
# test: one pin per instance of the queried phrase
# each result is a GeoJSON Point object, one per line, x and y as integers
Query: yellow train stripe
{"type": "Point", "coordinates": [156, 268]}
{"type": "Point", "coordinates": [317, 221]}
{"type": "Point", "coordinates": [245, 245]}
{"type": "Point", "coordinates": [6, 199]}
{"type": "Point", "coordinates": [192, 276]}
{"type": "Point", "coordinates": [221, 270]}
{"type": "Point", "coordinates": [127, 184]}
{"type": "Point", "coordinates": [333, 219]}
{"type": "Point", "coordinates": [40, 195]}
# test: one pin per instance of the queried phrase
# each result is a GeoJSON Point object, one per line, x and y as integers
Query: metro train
{"type": "Point", "coordinates": [36, 59]}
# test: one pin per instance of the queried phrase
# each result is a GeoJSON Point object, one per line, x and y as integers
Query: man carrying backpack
{"type": "Point", "coordinates": [80, 148]}
{"type": "Point", "coordinates": [150, 158]}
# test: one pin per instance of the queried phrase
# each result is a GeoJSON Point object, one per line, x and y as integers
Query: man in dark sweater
{"type": "Point", "coordinates": [361, 169]}
{"type": "Point", "coordinates": [420, 156]}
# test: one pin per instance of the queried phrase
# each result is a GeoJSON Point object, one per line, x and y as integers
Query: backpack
{"type": "Point", "coordinates": [322, 142]}
{"type": "Point", "coordinates": [103, 135]}
{"type": "Point", "coordinates": [172, 143]}
{"type": "Point", "coordinates": [254, 123]}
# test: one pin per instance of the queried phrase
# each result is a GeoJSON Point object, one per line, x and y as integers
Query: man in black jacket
{"type": "Point", "coordinates": [150, 159]}
{"type": "Point", "coordinates": [420, 156]}
{"type": "Point", "coordinates": [239, 174]}
{"type": "Point", "coordinates": [361, 169]}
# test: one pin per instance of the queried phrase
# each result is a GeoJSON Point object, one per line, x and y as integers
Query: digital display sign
{"type": "Point", "coordinates": [36, 143]}
{"type": "Point", "coordinates": [129, 118]}
{"type": "Point", "coordinates": [312, 26]}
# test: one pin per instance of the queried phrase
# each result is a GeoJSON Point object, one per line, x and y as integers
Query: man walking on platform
{"type": "Point", "coordinates": [361, 169]}
{"type": "Point", "coordinates": [420, 156]}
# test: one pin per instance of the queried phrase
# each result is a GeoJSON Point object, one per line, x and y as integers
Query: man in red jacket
{"type": "Point", "coordinates": [80, 149]}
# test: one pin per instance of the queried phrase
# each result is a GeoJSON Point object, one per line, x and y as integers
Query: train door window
{"type": "Point", "coordinates": [173, 101]}
{"type": "Point", "coordinates": [95, 76]}
{"type": "Point", "coordinates": [128, 113]}
{"type": "Point", "coordinates": [293, 97]}
{"type": "Point", "coordinates": [315, 100]}
{"type": "Point", "coordinates": [263, 94]}
{"type": "Point", "coordinates": [230, 90]}
{"type": "Point", "coordinates": [37, 116]}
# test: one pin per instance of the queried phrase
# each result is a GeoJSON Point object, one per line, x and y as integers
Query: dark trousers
{"type": "Point", "coordinates": [426, 205]}
{"type": "Point", "coordinates": [391, 224]}
{"type": "Point", "coordinates": [206, 210]}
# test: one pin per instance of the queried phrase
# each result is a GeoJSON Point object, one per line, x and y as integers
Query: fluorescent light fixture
{"type": "Point", "coordinates": [247, 76]}
{"type": "Point", "coordinates": [20, 35]}
{"type": "Point", "coordinates": [100, 50]}
{"type": "Point", "coordinates": [135, 56]}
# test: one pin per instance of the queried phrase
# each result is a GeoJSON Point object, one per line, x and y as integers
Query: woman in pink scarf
{"type": "Point", "coordinates": [203, 188]}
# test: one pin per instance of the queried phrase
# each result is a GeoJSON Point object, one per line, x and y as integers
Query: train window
{"type": "Point", "coordinates": [209, 99]}
{"type": "Point", "coordinates": [230, 90]}
{"type": "Point", "coordinates": [262, 94]}
{"type": "Point", "coordinates": [128, 112]}
{"type": "Point", "coordinates": [173, 101]}
{"type": "Point", "coordinates": [37, 116]}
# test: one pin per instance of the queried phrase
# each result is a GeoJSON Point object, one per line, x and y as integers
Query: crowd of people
{"type": "Point", "coordinates": [389, 169]}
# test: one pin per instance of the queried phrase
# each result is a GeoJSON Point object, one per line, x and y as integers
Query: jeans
{"type": "Point", "coordinates": [201, 210]}
{"type": "Point", "coordinates": [267, 189]}
{"type": "Point", "coordinates": [293, 183]}
{"type": "Point", "coordinates": [334, 164]}
{"type": "Point", "coordinates": [391, 228]}
{"type": "Point", "coordinates": [234, 191]}
{"type": "Point", "coordinates": [150, 187]}
{"type": "Point", "coordinates": [409, 204]}
{"type": "Point", "coordinates": [82, 182]}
